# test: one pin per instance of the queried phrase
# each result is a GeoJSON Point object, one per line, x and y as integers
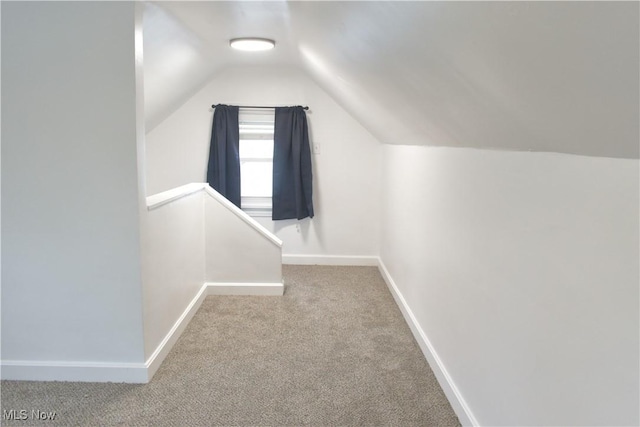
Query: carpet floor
{"type": "Point", "coordinates": [334, 350]}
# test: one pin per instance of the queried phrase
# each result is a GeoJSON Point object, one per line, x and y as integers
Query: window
{"type": "Point", "coordinates": [256, 161]}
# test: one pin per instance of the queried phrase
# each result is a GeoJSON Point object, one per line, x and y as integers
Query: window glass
{"type": "Point", "coordinates": [256, 161]}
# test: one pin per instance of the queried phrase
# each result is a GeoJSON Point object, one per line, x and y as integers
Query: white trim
{"type": "Point", "coordinates": [137, 373]}
{"type": "Point", "coordinates": [242, 215]}
{"type": "Point", "coordinates": [258, 212]}
{"type": "Point", "coordinates": [155, 360]}
{"type": "Point", "coordinates": [330, 260]}
{"type": "Point", "coordinates": [29, 370]}
{"type": "Point", "coordinates": [260, 289]}
{"type": "Point", "coordinates": [143, 372]}
{"type": "Point", "coordinates": [444, 379]}
{"type": "Point", "coordinates": [160, 199]}
{"type": "Point", "coordinates": [257, 206]}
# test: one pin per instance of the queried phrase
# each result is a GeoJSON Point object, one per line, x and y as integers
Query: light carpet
{"type": "Point", "coordinates": [334, 350]}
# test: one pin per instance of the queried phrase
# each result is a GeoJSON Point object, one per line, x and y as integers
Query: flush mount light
{"type": "Point", "coordinates": [252, 44]}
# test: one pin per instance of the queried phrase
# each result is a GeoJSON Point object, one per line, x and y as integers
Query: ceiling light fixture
{"type": "Point", "coordinates": [252, 44]}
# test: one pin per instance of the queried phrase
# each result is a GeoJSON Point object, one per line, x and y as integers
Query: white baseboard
{"type": "Point", "coordinates": [258, 289]}
{"type": "Point", "coordinates": [30, 370]}
{"type": "Point", "coordinates": [143, 372]}
{"type": "Point", "coordinates": [330, 260]}
{"type": "Point", "coordinates": [137, 373]}
{"type": "Point", "coordinates": [444, 379]}
{"type": "Point", "coordinates": [163, 349]}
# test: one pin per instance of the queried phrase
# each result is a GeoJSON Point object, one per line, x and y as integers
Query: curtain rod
{"type": "Point", "coordinates": [253, 106]}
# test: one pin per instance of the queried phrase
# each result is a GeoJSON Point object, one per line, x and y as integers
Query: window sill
{"type": "Point", "coordinates": [257, 212]}
{"type": "Point", "coordinates": [257, 206]}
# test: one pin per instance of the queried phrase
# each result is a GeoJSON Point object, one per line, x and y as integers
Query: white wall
{"type": "Point", "coordinates": [71, 277]}
{"type": "Point", "coordinates": [236, 252]}
{"type": "Point", "coordinates": [174, 259]}
{"type": "Point", "coordinates": [522, 270]}
{"type": "Point", "coordinates": [346, 172]}
{"type": "Point", "coordinates": [194, 237]}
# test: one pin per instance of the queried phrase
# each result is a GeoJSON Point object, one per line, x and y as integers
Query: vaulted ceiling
{"type": "Point", "coordinates": [537, 76]}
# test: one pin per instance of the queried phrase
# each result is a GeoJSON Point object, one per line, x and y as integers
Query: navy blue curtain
{"type": "Point", "coordinates": [223, 173]}
{"type": "Point", "coordinates": [292, 177]}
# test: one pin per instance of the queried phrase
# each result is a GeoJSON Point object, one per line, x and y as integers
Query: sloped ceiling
{"type": "Point", "coordinates": [537, 76]}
